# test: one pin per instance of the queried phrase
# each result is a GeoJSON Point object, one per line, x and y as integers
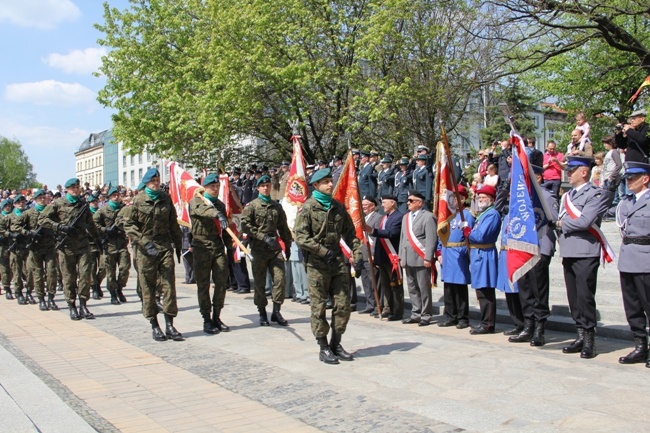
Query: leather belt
{"type": "Point", "coordinates": [456, 244]}
{"type": "Point", "coordinates": [636, 240]}
{"type": "Point", "coordinates": [482, 246]}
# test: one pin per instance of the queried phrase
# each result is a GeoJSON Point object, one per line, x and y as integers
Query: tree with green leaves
{"type": "Point", "coordinates": [16, 172]}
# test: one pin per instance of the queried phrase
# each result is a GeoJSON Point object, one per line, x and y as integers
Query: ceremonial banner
{"type": "Point", "coordinates": [296, 192]}
{"type": "Point", "coordinates": [645, 83]}
{"type": "Point", "coordinates": [182, 188]}
{"type": "Point", "coordinates": [347, 192]}
{"type": "Point", "coordinates": [234, 208]}
{"type": "Point", "coordinates": [445, 205]}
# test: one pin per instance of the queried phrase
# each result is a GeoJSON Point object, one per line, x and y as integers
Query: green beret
{"type": "Point", "coordinates": [151, 173]}
{"type": "Point", "coordinates": [91, 198]}
{"type": "Point", "coordinates": [72, 182]}
{"type": "Point", "coordinates": [320, 175]}
{"type": "Point", "coordinates": [19, 197]}
{"type": "Point", "coordinates": [38, 193]}
{"type": "Point", "coordinates": [210, 178]}
{"type": "Point", "coordinates": [263, 179]}
{"type": "Point", "coordinates": [112, 190]}
{"type": "Point", "coordinates": [6, 202]}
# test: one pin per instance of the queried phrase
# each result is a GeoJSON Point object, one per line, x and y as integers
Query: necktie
{"type": "Point", "coordinates": [573, 193]}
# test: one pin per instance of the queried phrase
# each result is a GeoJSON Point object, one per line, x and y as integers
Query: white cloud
{"type": "Point", "coordinates": [43, 136]}
{"type": "Point", "coordinates": [77, 61]}
{"type": "Point", "coordinates": [43, 14]}
{"type": "Point", "coordinates": [50, 92]}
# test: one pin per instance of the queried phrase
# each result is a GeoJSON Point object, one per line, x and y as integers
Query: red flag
{"type": "Point", "coordinates": [347, 192]}
{"type": "Point", "coordinates": [646, 82]}
{"type": "Point", "coordinates": [234, 208]}
{"type": "Point", "coordinates": [296, 192]}
{"type": "Point", "coordinates": [445, 206]}
{"type": "Point", "coordinates": [182, 188]}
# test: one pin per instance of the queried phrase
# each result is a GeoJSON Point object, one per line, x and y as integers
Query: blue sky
{"type": "Point", "coordinates": [48, 94]}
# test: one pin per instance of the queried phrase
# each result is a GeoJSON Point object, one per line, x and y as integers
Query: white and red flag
{"type": "Point", "coordinates": [296, 192]}
{"type": "Point", "coordinates": [182, 188]}
{"type": "Point", "coordinates": [445, 207]}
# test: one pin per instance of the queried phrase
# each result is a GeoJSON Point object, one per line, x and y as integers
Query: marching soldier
{"type": "Point", "coordinates": [109, 221]}
{"type": "Point", "coordinates": [98, 270]}
{"type": "Point", "coordinates": [209, 242]}
{"type": "Point", "coordinates": [69, 217]}
{"type": "Point", "coordinates": [264, 221]}
{"type": "Point", "coordinates": [42, 262]}
{"type": "Point", "coordinates": [5, 261]}
{"type": "Point", "coordinates": [320, 226]}
{"type": "Point", "coordinates": [152, 226]}
{"type": "Point", "coordinates": [581, 210]}
{"type": "Point", "coordinates": [632, 216]}
{"type": "Point", "coordinates": [19, 252]}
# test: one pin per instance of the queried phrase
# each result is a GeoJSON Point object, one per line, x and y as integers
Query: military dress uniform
{"type": "Point", "coordinates": [42, 261]}
{"type": "Point", "coordinates": [403, 182]}
{"type": "Point", "coordinates": [19, 254]}
{"type": "Point", "coordinates": [633, 218]}
{"type": "Point", "coordinates": [209, 242]}
{"type": "Point", "coordinates": [152, 226]}
{"type": "Point", "coordinates": [386, 180]}
{"type": "Point", "coordinates": [73, 254]}
{"type": "Point", "coordinates": [117, 259]}
{"type": "Point", "coordinates": [422, 180]}
{"type": "Point", "coordinates": [264, 222]}
{"type": "Point", "coordinates": [318, 230]}
{"type": "Point", "coordinates": [367, 180]}
{"type": "Point", "coordinates": [5, 260]}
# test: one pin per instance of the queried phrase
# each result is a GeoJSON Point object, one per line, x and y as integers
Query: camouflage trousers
{"type": "Point", "coordinates": [76, 267]}
{"type": "Point", "coordinates": [275, 265]}
{"type": "Point", "coordinates": [41, 267]}
{"type": "Point", "coordinates": [325, 283]}
{"type": "Point", "coordinates": [154, 272]}
{"type": "Point", "coordinates": [19, 270]}
{"type": "Point", "coordinates": [98, 271]}
{"type": "Point", "coordinates": [117, 265]}
{"type": "Point", "coordinates": [5, 266]}
{"type": "Point", "coordinates": [209, 262]}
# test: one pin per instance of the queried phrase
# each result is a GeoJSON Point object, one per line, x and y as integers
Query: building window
{"type": "Point", "coordinates": [132, 160]}
{"type": "Point", "coordinates": [148, 157]}
{"type": "Point", "coordinates": [124, 160]}
{"type": "Point", "coordinates": [124, 178]}
{"type": "Point", "coordinates": [140, 159]}
{"type": "Point", "coordinates": [132, 177]}
{"type": "Point", "coordinates": [140, 173]}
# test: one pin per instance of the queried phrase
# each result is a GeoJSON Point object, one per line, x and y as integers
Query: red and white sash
{"type": "Point", "coordinates": [607, 254]}
{"type": "Point", "coordinates": [413, 240]}
{"type": "Point", "coordinates": [390, 250]}
{"type": "Point", "coordinates": [345, 249]}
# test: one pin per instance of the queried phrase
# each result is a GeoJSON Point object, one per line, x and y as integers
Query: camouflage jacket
{"type": "Point", "coordinates": [316, 231]}
{"type": "Point", "coordinates": [45, 238]}
{"type": "Point", "coordinates": [204, 227]}
{"type": "Point", "coordinates": [5, 228]}
{"type": "Point", "coordinates": [148, 220]}
{"type": "Point", "coordinates": [260, 218]}
{"type": "Point", "coordinates": [105, 218]}
{"type": "Point", "coordinates": [18, 225]}
{"type": "Point", "coordinates": [61, 212]}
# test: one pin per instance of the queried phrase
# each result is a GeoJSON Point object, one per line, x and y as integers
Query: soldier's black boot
{"type": "Point", "coordinates": [208, 325]}
{"type": "Point", "coordinates": [264, 319]}
{"type": "Point", "coordinates": [74, 314]}
{"type": "Point", "coordinates": [156, 332]}
{"type": "Point", "coordinates": [326, 355]}
{"type": "Point", "coordinates": [114, 300]}
{"type": "Point", "coordinates": [50, 302]}
{"type": "Point", "coordinates": [30, 299]}
{"type": "Point", "coordinates": [83, 310]}
{"type": "Point", "coordinates": [276, 316]}
{"type": "Point", "coordinates": [526, 332]}
{"type": "Point", "coordinates": [538, 336]}
{"type": "Point", "coordinates": [216, 320]}
{"type": "Point", "coordinates": [100, 293]}
{"type": "Point", "coordinates": [577, 344]}
{"type": "Point", "coordinates": [122, 298]}
{"type": "Point", "coordinates": [337, 349]}
{"type": "Point", "coordinates": [8, 293]}
{"type": "Point", "coordinates": [639, 354]}
{"type": "Point", "coordinates": [589, 346]}
{"type": "Point", "coordinates": [170, 331]}
{"type": "Point", "coordinates": [41, 304]}
{"type": "Point", "coordinates": [20, 298]}
{"type": "Point", "coordinates": [94, 290]}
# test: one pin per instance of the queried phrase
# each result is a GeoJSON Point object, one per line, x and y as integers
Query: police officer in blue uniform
{"type": "Point", "coordinates": [633, 217]}
{"type": "Point", "coordinates": [386, 178]}
{"type": "Point", "coordinates": [423, 179]}
{"type": "Point", "coordinates": [403, 183]}
{"type": "Point", "coordinates": [367, 180]}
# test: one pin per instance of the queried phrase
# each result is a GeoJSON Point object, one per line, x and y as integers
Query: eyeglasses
{"type": "Point", "coordinates": [411, 200]}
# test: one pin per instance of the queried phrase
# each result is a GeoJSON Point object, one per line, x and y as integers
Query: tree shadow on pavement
{"type": "Point", "coordinates": [386, 349]}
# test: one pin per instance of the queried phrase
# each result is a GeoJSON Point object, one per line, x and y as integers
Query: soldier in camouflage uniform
{"type": "Point", "coordinates": [5, 262]}
{"type": "Point", "coordinates": [42, 262]}
{"type": "Point", "coordinates": [320, 225]}
{"type": "Point", "coordinates": [209, 251]}
{"type": "Point", "coordinates": [109, 220]}
{"type": "Point", "coordinates": [98, 271]}
{"type": "Point", "coordinates": [19, 251]}
{"type": "Point", "coordinates": [74, 248]}
{"type": "Point", "coordinates": [152, 226]}
{"type": "Point", "coordinates": [263, 220]}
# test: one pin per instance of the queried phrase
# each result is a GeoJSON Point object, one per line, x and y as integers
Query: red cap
{"type": "Point", "coordinates": [460, 189]}
{"type": "Point", "coordinates": [487, 190]}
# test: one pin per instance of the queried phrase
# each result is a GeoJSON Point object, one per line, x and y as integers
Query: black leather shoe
{"type": "Point", "coordinates": [158, 334]}
{"type": "Point", "coordinates": [424, 322]}
{"type": "Point", "coordinates": [20, 298]}
{"type": "Point", "coordinates": [264, 318]}
{"type": "Point", "coordinates": [410, 320]}
{"type": "Point", "coordinates": [30, 299]}
{"type": "Point", "coordinates": [462, 325]}
{"type": "Point", "coordinates": [326, 355]}
{"type": "Point", "coordinates": [95, 294]}
{"type": "Point", "coordinates": [341, 353]}
{"type": "Point", "coordinates": [42, 305]}
{"type": "Point", "coordinates": [50, 302]}
{"type": "Point", "coordinates": [209, 328]}
{"type": "Point", "coordinates": [589, 346]}
{"type": "Point", "coordinates": [8, 294]}
{"type": "Point", "coordinates": [114, 300]}
{"type": "Point", "coordinates": [122, 298]}
{"type": "Point", "coordinates": [74, 314]}
{"type": "Point", "coordinates": [447, 323]}
{"type": "Point", "coordinates": [83, 310]}
{"type": "Point", "coordinates": [305, 302]}
{"type": "Point", "coordinates": [526, 332]}
{"type": "Point", "coordinates": [393, 318]}
{"type": "Point", "coordinates": [367, 310]}
{"type": "Point", "coordinates": [538, 339]}
{"type": "Point", "coordinates": [295, 299]}
{"type": "Point", "coordinates": [216, 321]}
{"type": "Point", "coordinates": [276, 316]}
{"type": "Point", "coordinates": [385, 314]}
{"type": "Point", "coordinates": [577, 344]}
{"type": "Point", "coordinates": [480, 330]}
{"type": "Point", "coordinates": [243, 291]}
{"type": "Point", "coordinates": [638, 355]}
{"type": "Point", "coordinates": [170, 331]}
{"type": "Point", "coordinates": [514, 331]}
